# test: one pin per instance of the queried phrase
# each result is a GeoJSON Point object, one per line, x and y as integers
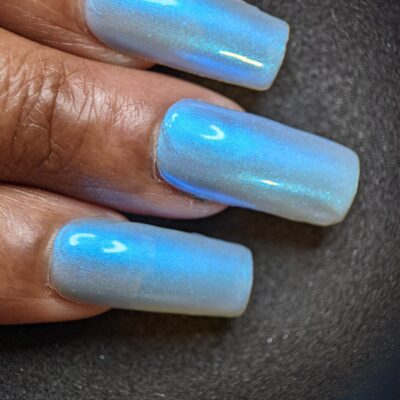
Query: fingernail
{"type": "Point", "coordinates": [227, 40]}
{"type": "Point", "coordinates": [248, 161]}
{"type": "Point", "coordinates": [140, 267]}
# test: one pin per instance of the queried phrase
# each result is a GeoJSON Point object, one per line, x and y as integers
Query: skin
{"type": "Point", "coordinates": [78, 125]}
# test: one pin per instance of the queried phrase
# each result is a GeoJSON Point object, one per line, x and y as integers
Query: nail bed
{"type": "Point", "coordinates": [141, 267]}
{"type": "Point", "coordinates": [227, 40]}
{"type": "Point", "coordinates": [248, 161]}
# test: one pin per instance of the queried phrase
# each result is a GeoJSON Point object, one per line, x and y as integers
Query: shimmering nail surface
{"type": "Point", "coordinates": [248, 161]}
{"type": "Point", "coordinates": [228, 40]}
{"type": "Point", "coordinates": [141, 267]}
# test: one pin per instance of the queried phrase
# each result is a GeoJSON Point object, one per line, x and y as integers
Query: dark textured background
{"type": "Point", "coordinates": [324, 321]}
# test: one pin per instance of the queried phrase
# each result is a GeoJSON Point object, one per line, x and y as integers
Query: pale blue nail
{"type": "Point", "coordinates": [227, 40]}
{"type": "Point", "coordinates": [141, 267]}
{"type": "Point", "coordinates": [248, 161]}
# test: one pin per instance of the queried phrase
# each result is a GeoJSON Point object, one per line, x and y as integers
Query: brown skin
{"type": "Point", "coordinates": [80, 128]}
{"type": "Point", "coordinates": [90, 125]}
{"type": "Point", "coordinates": [29, 219]}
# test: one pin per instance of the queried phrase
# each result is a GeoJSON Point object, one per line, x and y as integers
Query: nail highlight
{"type": "Point", "coordinates": [248, 161]}
{"type": "Point", "coordinates": [227, 40]}
{"type": "Point", "coordinates": [141, 267]}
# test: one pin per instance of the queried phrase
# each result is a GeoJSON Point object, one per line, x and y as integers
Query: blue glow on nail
{"type": "Point", "coordinates": [248, 161]}
{"type": "Point", "coordinates": [135, 266]}
{"type": "Point", "coordinates": [228, 40]}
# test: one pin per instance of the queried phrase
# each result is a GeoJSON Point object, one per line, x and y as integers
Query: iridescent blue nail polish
{"type": "Point", "coordinates": [141, 267]}
{"type": "Point", "coordinates": [227, 40]}
{"type": "Point", "coordinates": [248, 161]}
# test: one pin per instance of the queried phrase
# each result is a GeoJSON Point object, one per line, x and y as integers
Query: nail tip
{"type": "Point", "coordinates": [267, 76]}
{"type": "Point", "coordinates": [336, 213]}
{"type": "Point", "coordinates": [340, 214]}
{"type": "Point", "coordinates": [279, 60]}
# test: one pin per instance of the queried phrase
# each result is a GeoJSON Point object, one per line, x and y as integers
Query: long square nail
{"type": "Point", "coordinates": [227, 40]}
{"type": "Point", "coordinates": [248, 161]}
{"type": "Point", "coordinates": [141, 267]}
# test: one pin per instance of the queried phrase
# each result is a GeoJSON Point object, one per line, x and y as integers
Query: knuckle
{"type": "Point", "coordinates": [36, 98]}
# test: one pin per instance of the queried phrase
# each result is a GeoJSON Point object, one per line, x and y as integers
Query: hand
{"type": "Point", "coordinates": [85, 130]}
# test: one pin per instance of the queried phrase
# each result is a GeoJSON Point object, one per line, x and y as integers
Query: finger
{"type": "Point", "coordinates": [61, 24]}
{"type": "Point", "coordinates": [86, 129]}
{"type": "Point", "coordinates": [28, 220]}
{"type": "Point", "coordinates": [228, 40]}
{"type": "Point", "coordinates": [102, 133]}
{"type": "Point", "coordinates": [62, 259]}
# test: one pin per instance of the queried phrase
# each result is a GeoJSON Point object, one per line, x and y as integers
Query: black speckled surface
{"type": "Point", "coordinates": [324, 320]}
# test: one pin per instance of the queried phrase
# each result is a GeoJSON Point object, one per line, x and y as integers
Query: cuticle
{"type": "Point", "coordinates": [153, 142]}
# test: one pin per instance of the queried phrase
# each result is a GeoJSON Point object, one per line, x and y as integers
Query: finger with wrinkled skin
{"type": "Point", "coordinates": [88, 130]}
{"type": "Point", "coordinates": [28, 220]}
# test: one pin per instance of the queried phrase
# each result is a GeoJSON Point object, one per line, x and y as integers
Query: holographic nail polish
{"type": "Point", "coordinates": [248, 161]}
{"type": "Point", "coordinates": [141, 267]}
{"type": "Point", "coordinates": [227, 40]}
